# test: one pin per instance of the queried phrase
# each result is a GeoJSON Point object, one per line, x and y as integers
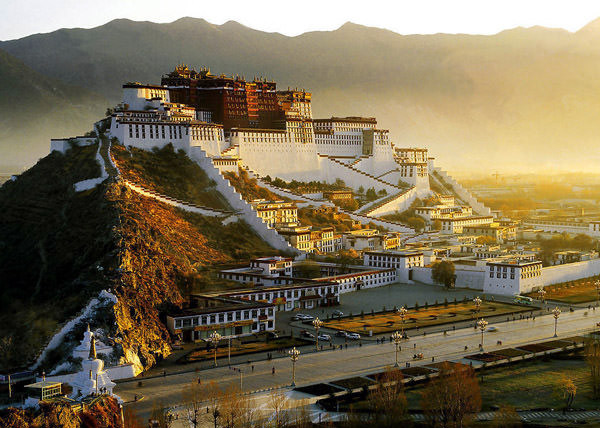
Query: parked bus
{"type": "Point", "coordinates": [524, 300]}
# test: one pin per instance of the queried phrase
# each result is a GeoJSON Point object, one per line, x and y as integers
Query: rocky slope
{"type": "Point", "coordinates": [60, 248]}
{"type": "Point", "coordinates": [102, 412]}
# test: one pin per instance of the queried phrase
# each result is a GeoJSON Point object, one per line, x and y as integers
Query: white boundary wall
{"type": "Point", "coordinates": [237, 202]}
{"type": "Point", "coordinates": [462, 193]}
{"type": "Point", "coordinates": [570, 271]}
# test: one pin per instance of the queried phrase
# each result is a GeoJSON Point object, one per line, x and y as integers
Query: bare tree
{"type": "Point", "coordinates": [300, 415]}
{"type": "Point", "coordinates": [388, 401]}
{"type": "Point", "coordinates": [214, 397]}
{"type": "Point", "coordinates": [278, 403]}
{"type": "Point", "coordinates": [592, 356]}
{"type": "Point", "coordinates": [450, 400]}
{"type": "Point", "coordinates": [160, 416]}
{"type": "Point", "coordinates": [193, 397]}
{"type": "Point", "coordinates": [507, 417]}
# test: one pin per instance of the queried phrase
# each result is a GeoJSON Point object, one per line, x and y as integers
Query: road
{"type": "Point", "coordinates": [355, 361]}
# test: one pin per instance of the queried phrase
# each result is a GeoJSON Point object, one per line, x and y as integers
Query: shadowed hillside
{"type": "Point", "coordinates": [523, 97]}
{"type": "Point", "coordinates": [59, 248]}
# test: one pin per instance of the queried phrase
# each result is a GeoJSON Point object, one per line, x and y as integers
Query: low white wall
{"type": "Point", "coordinates": [467, 277]}
{"type": "Point", "coordinates": [570, 271]}
{"type": "Point", "coordinates": [400, 203]}
{"type": "Point", "coordinates": [123, 371]}
{"type": "Point", "coordinates": [462, 193]}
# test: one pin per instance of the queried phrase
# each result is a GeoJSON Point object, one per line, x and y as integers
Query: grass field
{"type": "Point", "coordinates": [579, 291]}
{"type": "Point", "coordinates": [529, 385]}
{"type": "Point", "coordinates": [387, 322]}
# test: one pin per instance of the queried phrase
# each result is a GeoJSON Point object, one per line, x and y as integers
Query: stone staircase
{"type": "Point", "coordinates": [356, 170]}
{"type": "Point", "coordinates": [368, 209]}
{"type": "Point", "coordinates": [229, 150]}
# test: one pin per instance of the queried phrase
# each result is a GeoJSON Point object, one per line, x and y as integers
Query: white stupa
{"type": "Point", "coordinates": [92, 379]}
{"type": "Point", "coordinates": [83, 349]}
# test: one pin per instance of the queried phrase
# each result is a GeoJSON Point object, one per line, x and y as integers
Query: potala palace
{"type": "Point", "coordinates": [251, 124]}
{"type": "Point", "coordinates": [229, 123]}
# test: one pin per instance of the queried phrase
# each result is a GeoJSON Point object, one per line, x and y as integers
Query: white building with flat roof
{"type": "Point", "coordinates": [512, 276]}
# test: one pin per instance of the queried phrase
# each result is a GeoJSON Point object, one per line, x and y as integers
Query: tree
{"type": "Point", "coordinates": [161, 415]}
{"type": "Point", "coordinates": [388, 402]}
{"type": "Point", "coordinates": [569, 390]}
{"type": "Point", "coordinates": [436, 225]}
{"type": "Point", "coordinates": [131, 418]}
{"type": "Point", "coordinates": [371, 194]}
{"type": "Point", "coordinates": [278, 403]}
{"type": "Point", "coordinates": [308, 269]}
{"type": "Point", "coordinates": [361, 190]}
{"type": "Point", "coordinates": [485, 240]}
{"type": "Point", "coordinates": [507, 417]}
{"type": "Point", "coordinates": [449, 400]}
{"type": "Point", "coordinates": [192, 400]}
{"type": "Point", "coordinates": [416, 223]}
{"type": "Point", "coordinates": [592, 356]}
{"type": "Point", "coordinates": [214, 400]}
{"type": "Point", "coordinates": [443, 273]}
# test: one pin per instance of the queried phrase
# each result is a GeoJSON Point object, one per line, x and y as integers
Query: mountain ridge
{"type": "Point", "coordinates": [499, 96]}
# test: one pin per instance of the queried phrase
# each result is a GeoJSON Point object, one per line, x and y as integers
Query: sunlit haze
{"type": "Point", "coordinates": [21, 18]}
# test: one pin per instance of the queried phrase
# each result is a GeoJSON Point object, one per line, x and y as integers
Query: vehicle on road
{"type": "Point", "coordinates": [325, 337]}
{"type": "Point", "coordinates": [302, 317]}
{"type": "Point", "coordinates": [341, 333]}
{"type": "Point", "coordinates": [337, 313]}
{"type": "Point", "coordinates": [307, 334]}
{"type": "Point", "coordinates": [492, 328]}
{"type": "Point", "coordinates": [353, 336]}
{"type": "Point", "coordinates": [524, 300]}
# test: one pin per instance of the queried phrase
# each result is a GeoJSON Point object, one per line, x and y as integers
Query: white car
{"type": "Point", "coordinates": [492, 329]}
{"type": "Point", "coordinates": [302, 317]}
{"type": "Point", "coordinates": [353, 336]}
{"type": "Point", "coordinates": [325, 337]}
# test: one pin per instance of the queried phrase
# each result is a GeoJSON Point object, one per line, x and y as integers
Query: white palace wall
{"type": "Point", "coordinates": [570, 271]}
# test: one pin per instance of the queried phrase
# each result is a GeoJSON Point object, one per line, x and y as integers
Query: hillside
{"type": "Point", "coordinates": [520, 98]}
{"type": "Point", "coordinates": [33, 107]}
{"type": "Point", "coordinates": [65, 247]}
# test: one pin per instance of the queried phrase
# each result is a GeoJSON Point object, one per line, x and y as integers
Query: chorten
{"type": "Point", "coordinates": [83, 349]}
{"type": "Point", "coordinates": [92, 379]}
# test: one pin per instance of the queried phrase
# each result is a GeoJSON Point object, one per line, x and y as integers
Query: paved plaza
{"type": "Point", "coordinates": [356, 360]}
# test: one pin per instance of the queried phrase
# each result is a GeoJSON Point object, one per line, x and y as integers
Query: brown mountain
{"type": "Point", "coordinates": [527, 97]}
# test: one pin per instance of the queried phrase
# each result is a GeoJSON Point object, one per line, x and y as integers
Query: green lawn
{"type": "Point", "coordinates": [529, 385]}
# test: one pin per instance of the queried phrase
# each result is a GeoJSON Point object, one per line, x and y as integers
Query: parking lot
{"type": "Point", "coordinates": [375, 299]}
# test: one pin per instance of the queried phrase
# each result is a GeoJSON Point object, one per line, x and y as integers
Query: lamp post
{"type": "Point", "coordinates": [542, 294]}
{"type": "Point", "coordinates": [317, 324]}
{"type": "Point", "coordinates": [477, 302]}
{"type": "Point", "coordinates": [294, 355]}
{"type": "Point", "coordinates": [215, 338]}
{"type": "Point", "coordinates": [402, 313]}
{"type": "Point", "coordinates": [482, 324]}
{"type": "Point", "coordinates": [597, 284]}
{"type": "Point", "coordinates": [556, 314]}
{"type": "Point", "coordinates": [397, 337]}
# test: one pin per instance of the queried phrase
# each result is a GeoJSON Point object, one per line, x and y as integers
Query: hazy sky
{"type": "Point", "coordinates": [20, 18]}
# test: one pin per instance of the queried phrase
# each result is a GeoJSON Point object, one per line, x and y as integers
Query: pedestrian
{"type": "Point", "coordinates": [432, 359]}
{"type": "Point", "coordinates": [346, 346]}
{"type": "Point", "coordinates": [414, 346]}
{"type": "Point", "coordinates": [253, 368]}
{"type": "Point", "coordinates": [273, 371]}
{"type": "Point", "coordinates": [199, 381]}
{"type": "Point", "coordinates": [164, 373]}
{"type": "Point", "coordinates": [135, 397]}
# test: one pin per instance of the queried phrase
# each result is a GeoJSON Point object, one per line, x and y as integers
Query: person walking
{"type": "Point", "coordinates": [273, 371]}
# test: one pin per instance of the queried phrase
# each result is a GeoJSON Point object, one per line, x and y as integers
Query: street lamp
{"type": "Point", "coordinates": [317, 324]}
{"type": "Point", "coordinates": [402, 313]}
{"type": "Point", "coordinates": [215, 338]}
{"type": "Point", "coordinates": [542, 294]}
{"type": "Point", "coordinates": [294, 354]}
{"type": "Point", "coordinates": [556, 314]}
{"type": "Point", "coordinates": [482, 324]}
{"type": "Point", "coordinates": [397, 337]}
{"type": "Point", "coordinates": [477, 302]}
{"type": "Point", "coordinates": [597, 284]}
